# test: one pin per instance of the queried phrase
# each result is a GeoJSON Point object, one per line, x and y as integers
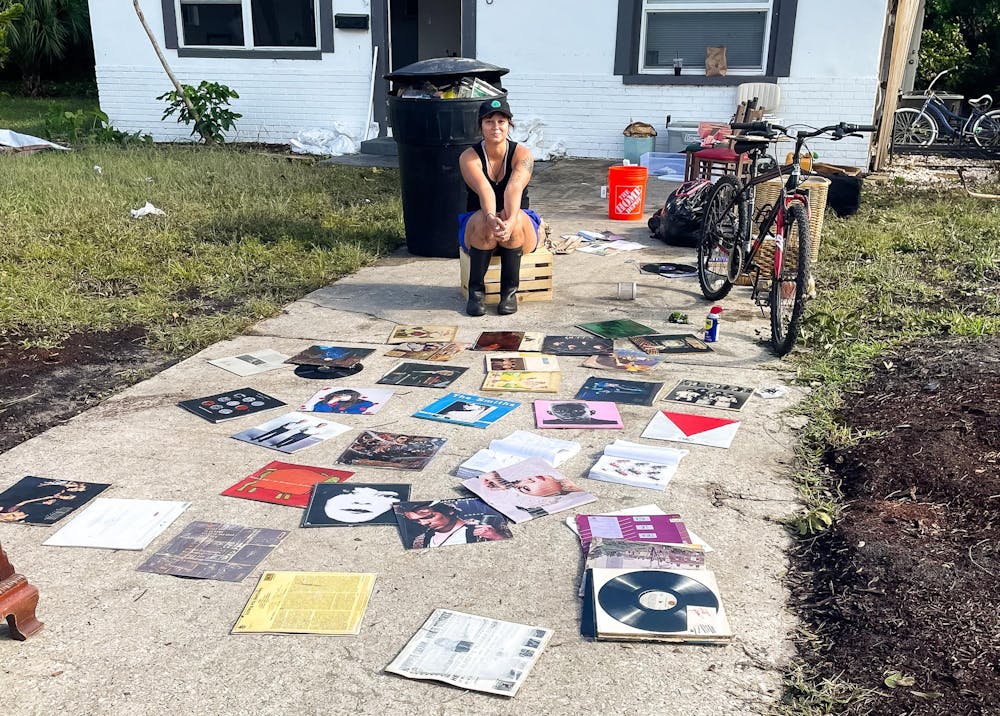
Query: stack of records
{"type": "Point", "coordinates": [671, 605]}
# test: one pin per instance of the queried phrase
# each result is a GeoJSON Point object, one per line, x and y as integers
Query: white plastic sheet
{"type": "Point", "coordinates": [529, 132]}
{"type": "Point", "coordinates": [326, 142]}
{"type": "Point", "coordinates": [16, 140]}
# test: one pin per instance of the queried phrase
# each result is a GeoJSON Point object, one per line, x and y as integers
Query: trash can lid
{"type": "Point", "coordinates": [448, 68]}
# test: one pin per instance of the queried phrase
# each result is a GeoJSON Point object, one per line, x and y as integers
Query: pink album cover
{"type": "Point", "coordinates": [577, 414]}
{"type": "Point", "coordinates": [634, 528]}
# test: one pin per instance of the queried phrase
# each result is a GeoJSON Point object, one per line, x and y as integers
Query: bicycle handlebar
{"type": "Point", "coordinates": [839, 131]}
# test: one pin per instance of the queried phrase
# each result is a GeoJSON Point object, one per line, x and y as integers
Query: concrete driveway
{"type": "Point", "coordinates": [118, 641]}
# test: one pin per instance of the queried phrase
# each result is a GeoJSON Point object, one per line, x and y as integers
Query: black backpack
{"type": "Point", "coordinates": [678, 223]}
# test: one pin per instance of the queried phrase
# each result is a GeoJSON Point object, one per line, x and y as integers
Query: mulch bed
{"type": "Point", "coordinates": [45, 387]}
{"type": "Point", "coordinates": [907, 581]}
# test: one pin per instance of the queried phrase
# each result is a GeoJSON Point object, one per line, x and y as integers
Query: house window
{"type": "Point", "coordinates": [248, 24]}
{"type": "Point", "coordinates": [685, 28]}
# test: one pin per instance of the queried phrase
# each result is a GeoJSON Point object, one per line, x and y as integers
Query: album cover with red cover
{"type": "Point", "coordinates": [284, 483]}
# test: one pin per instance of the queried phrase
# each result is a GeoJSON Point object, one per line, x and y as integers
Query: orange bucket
{"type": "Point", "coordinates": [626, 192]}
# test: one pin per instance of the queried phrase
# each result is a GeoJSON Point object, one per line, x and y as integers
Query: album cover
{"type": "Point", "coordinates": [531, 342]}
{"type": "Point", "coordinates": [284, 483]}
{"type": "Point", "coordinates": [291, 432]}
{"type": "Point", "coordinates": [425, 334]}
{"type": "Point", "coordinates": [528, 489]}
{"type": "Point", "coordinates": [251, 363]}
{"type": "Point", "coordinates": [521, 381]}
{"type": "Point", "coordinates": [671, 343]}
{"type": "Point", "coordinates": [637, 465]}
{"type": "Point", "coordinates": [577, 414]}
{"type": "Point", "coordinates": [421, 375]}
{"type": "Point", "coordinates": [620, 359]}
{"type": "Point", "coordinates": [713, 395]}
{"type": "Point", "coordinates": [347, 401]}
{"type": "Point", "coordinates": [229, 405]}
{"type": "Point", "coordinates": [211, 550]}
{"type": "Point", "coordinates": [43, 501]}
{"type": "Point", "coordinates": [534, 362]}
{"type": "Point", "coordinates": [346, 505]}
{"type": "Point", "coordinates": [336, 356]}
{"type": "Point", "coordinates": [442, 523]}
{"type": "Point", "coordinates": [676, 605]}
{"type": "Point", "coordinates": [427, 351]}
{"type": "Point", "coordinates": [620, 328]}
{"type": "Point", "coordinates": [577, 345]}
{"type": "Point", "coordinates": [465, 409]}
{"type": "Point", "coordinates": [630, 392]}
{"type": "Point", "coordinates": [499, 341]}
{"type": "Point", "coordinates": [634, 528]}
{"type": "Point", "coordinates": [331, 603]}
{"type": "Point", "coordinates": [392, 450]}
{"type": "Point", "coordinates": [693, 429]}
{"type": "Point", "coordinates": [611, 553]}
{"type": "Point", "coordinates": [116, 523]}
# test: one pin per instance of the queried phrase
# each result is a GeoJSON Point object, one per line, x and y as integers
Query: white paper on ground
{"type": "Point", "coordinates": [110, 523]}
{"type": "Point", "coordinates": [146, 211]}
{"type": "Point", "coordinates": [17, 140]}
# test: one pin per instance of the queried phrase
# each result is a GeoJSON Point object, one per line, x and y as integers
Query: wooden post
{"type": "Point", "coordinates": [906, 17]}
{"type": "Point", "coordinates": [170, 73]}
{"type": "Point", "coordinates": [17, 601]}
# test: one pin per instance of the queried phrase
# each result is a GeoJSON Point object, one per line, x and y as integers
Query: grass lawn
{"type": "Point", "coordinates": [244, 234]}
{"type": "Point", "coordinates": [27, 116]}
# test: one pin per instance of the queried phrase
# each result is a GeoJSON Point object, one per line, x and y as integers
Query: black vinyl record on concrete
{"type": "Point", "coordinates": [670, 270]}
{"type": "Point", "coordinates": [327, 372]}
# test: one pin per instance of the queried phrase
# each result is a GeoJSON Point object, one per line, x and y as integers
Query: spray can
{"type": "Point", "coordinates": [712, 324]}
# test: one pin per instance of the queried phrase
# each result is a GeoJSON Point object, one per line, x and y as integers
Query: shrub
{"type": "Point", "coordinates": [211, 104]}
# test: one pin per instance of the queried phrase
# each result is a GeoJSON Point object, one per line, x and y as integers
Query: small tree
{"type": "Point", "coordinates": [206, 107]}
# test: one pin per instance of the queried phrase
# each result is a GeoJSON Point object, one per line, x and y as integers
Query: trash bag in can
{"type": "Point", "coordinates": [434, 114]}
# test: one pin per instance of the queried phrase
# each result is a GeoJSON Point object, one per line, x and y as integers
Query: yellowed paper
{"type": "Point", "coordinates": [526, 381]}
{"type": "Point", "coordinates": [307, 603]}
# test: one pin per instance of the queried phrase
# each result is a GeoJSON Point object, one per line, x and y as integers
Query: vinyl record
{"type": "Point", "coordinates": [670, 270]}
{"type": "Point", "coordinates": [326, 372]}
{"type": "Point", "coordinates": [654, 601]}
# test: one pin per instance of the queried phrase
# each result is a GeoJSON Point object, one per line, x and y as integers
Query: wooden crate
{"type": "Point", "coordinates": [536, 277]}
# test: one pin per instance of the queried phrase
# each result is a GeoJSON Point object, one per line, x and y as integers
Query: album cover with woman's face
{"type": "Point", "coordinates": [350, 504]}
{"type": "Point", "coordinates": [41, 501]}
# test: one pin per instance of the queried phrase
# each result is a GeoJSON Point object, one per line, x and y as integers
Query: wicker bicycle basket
{"type": "Point", "coordinates": [764, 196]}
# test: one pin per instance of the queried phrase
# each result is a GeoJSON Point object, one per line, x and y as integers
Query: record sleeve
{"type": "Point", "coordinates": [659, 605]}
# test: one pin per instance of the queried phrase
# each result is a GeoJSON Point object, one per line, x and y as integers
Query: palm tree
{"type": "Point", "coordinates": [43, 34]}
{"type": "Point", "coordinates": [9, 12]}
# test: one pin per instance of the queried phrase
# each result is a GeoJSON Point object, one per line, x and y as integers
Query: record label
{"type": "Point", "coordinates": [642, 600]}
{"type": "Point", "coordinates": [327, 372]}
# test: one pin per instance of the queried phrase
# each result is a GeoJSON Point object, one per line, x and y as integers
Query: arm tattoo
{"type": "Point", "coordinates": [527, 164]}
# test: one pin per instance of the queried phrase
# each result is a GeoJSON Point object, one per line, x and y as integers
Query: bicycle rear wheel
{"type": "Point", "coordinates": [986, 130]}
{"type": "Point", "coordinates": [912, 127]}
{"type": "Point", "coordinates": [723, 227]}
{"type": "Point", "coordinates": [789, 287]}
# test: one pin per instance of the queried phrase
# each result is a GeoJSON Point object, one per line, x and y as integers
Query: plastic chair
{"type": "Point", "coordinates": [768, 95]}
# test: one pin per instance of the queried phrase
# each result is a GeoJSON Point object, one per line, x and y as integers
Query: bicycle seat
{"type": "Point", "coordinates": [981, 103]}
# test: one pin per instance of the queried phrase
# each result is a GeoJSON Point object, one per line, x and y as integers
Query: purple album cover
{"type": "Point", "coordinates": [577, 414]}
{"type": "Point", "coordinates": [634, 528]}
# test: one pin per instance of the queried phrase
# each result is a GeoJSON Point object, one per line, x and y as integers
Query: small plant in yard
{"type": "Point", "coordinates": [84, 125]}
{"type": "Point", "coordinates": [209, 110]}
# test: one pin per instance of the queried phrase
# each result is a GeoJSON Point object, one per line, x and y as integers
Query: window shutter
{"type": "Point", "coordinates": [169, 24]}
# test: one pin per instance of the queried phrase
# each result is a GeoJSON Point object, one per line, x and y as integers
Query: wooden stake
{"type": "Point", "coordinates": [906, 17]}
{"type": "Point", "coordinates": [170, 73]}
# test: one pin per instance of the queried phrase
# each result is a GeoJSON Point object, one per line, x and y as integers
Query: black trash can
{"type": "Point", "coordinates": [430, 135]}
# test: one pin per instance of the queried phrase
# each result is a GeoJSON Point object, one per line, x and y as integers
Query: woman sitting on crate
{"type": "Point", "coordinates": [497, 218]}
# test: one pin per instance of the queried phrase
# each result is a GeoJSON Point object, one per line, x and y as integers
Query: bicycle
{"type": "Point", "coordinates": [933, 120]}
{"type": "Point", "coordinates": [725, 246]}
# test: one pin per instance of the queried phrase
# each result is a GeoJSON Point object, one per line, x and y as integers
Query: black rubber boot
{"type": "Point", "coordinates": [510, 279]}
{"type": "Point", "coordinates": [479, 264]}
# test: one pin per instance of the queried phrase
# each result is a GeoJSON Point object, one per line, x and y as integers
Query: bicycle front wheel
{"type": "Point", "coordinates": [789, 283]}
{"type": "Point", "coordinates": [912, 127]}
{"type": "Point", "coordinates": [986, 130]}
{"type": "Point", "coordinates": [723, 227]}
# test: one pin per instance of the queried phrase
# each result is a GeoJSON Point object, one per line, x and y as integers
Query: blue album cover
{"type": "Point", "coordinates": [465, 409]}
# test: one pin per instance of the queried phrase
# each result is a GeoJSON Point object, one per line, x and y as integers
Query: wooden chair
{"type": "Point", "coordinates": [716, 161]}
{"type": "Point", "coordinates": [17, 601]}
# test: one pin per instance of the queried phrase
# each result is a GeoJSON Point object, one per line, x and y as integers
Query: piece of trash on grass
{"type": "Point", "coordinates": [677, 317]}
{"type": "Point", "coordinates": [146, 210]}
{"type": "Point", "coordinates": [98, 169]}
{"type": "Point", "coordinates": [772, 391]}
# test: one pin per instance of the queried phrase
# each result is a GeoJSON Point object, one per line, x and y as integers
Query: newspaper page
{"type": "Point", "coordinates": [472, 652]}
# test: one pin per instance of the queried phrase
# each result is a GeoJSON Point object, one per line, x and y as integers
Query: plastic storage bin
{"type": "Point", "coordinates": [681, 134]}
{"type": "Point", "coordinates": [665, 165]}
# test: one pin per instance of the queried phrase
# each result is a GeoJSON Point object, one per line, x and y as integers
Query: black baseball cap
{"type": "Point", "coordinates": [491, 106]}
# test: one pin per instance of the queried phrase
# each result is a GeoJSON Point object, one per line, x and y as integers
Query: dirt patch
{"type": "Point", "coordinates": [45, 387]}
{"type": "Point", "coordinates": [907, 580]}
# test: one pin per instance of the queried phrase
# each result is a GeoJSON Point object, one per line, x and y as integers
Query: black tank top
{"type": "Point", "coordinates": [472, 200]}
